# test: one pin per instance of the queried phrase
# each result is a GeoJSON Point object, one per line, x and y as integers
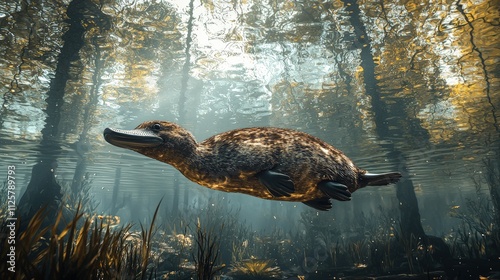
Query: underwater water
{"type": "Point", "coordinates": [398, 86]}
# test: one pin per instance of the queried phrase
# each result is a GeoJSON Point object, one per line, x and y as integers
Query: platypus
{"type": "Point", "coordinates": [266, 162]}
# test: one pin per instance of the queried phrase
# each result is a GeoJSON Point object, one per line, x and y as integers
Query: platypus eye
{"type": "Point", "coordinates": [156, 127]}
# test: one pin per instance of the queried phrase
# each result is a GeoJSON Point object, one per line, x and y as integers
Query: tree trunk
{"type": "Point", "coordinates": [182, 98]}
{"type": "Point", "coordinates": [42, 177]}
{"type": "Point", "coordinates": [116, 187]}
{"type": "Point", "coordinates": [411, 225]}
{"type": "Point", "coordinates": [50, 146]}
{"type": "Point", "coordinates": [175, 201]}
{"type": "Point", "coordinates": [83, 146]}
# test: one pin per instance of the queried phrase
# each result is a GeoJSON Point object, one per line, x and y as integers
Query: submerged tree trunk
{"type": "Point", "coordinates": [43, 189]}
{"type": "Point", "coordinates": [491, 164]}
{"type": "Point", "coordinates": [411, 226]}
{"type": "Point", "coordinates": [115, 206]}
{"type": "Point", "coordinates": [175, 201]}
{"type": "Point", "coordinates": [182, 101]}
{"type": "Point", "coordinates": [83, 146]}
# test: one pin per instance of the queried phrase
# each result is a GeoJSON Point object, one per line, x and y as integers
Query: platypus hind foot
{"type": "Point", "coordinates": [277, 183]}
{"type": "Point", "coordinates": [335, 190]}
{"type": "Point", "coordinates": [322, 203]}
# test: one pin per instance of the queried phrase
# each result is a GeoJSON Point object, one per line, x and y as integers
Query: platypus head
{"type": "Point", "coordinates": [161, 140]}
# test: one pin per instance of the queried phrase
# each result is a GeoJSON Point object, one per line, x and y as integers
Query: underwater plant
{"type": "Point", "coordinates": [478, 235]}
{"type": "Point", "coordinates": [212, 214]}
{"type": "Point", "coordinates": [207, 253]}
{"type": "Point", "coordinates": [476, 241]}
{"type": "Point", "coordinates": [255, 269]}
{"type": "Point", "coordinates": [357, 250]}
{"type": "Point", "coordinates": [76, 249]}
{"type": "Point", "coordinates": [81, 195]}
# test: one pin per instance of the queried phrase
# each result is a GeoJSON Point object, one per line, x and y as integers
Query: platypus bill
{"type": "Point", "coordinates": [266, 162]}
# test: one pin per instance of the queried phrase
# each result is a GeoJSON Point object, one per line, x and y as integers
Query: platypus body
{"type": "Point", "coordinates": [266, 162]}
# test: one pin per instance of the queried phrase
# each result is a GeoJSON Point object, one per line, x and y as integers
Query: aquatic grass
{"type": "Point", "coordinates": [243, 243]}
{"type": "Point", "coordinates": [76, 249]}
{"type": "Point", "coordinates": [207, 253]}
{"type": "Point", "coordinates": [255, 269]}
{"type": "Point", "coordinates": [382, 256]}
{"type": "Point", "coordinates": [469, 243]}
{"type": "Point", "coordinates": [218, 215]}
{"type": "Point", "coordinates": [407, 244]}
{"type": "Point", "coordinates": [79, 196]}
{"type": "Point", "coordinates": [213, 219]}
{"type": "Point", "coordinates": [367, 241]}
{"type": "Point", "coordinates": [478, 234]}
{"type": "Point", "coordinates": [334, 251]}
{"type": "Point", "coordinates": [27, 245]}
{"type": "Point", "coordinates": [357, 251]}
{"type": "Point", "coordinates": [214, 213]}
{"type": "Point", "coordinates": [417, 252]}
{"type": "Point", "coordinates": [321, 231]}
{"type": "Point", "coordinates": [239, 252]}
{"type": "Point", "coordinates": [146, 242]}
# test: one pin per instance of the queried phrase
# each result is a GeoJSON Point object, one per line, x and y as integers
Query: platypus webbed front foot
{"type": "Point", "coordinates": [277, 183]}
{"type": "Point", "coordinates": [335, 190]}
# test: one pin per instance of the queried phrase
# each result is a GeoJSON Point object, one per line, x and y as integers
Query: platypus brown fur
{"type": "Point", "coordinates": [266, 162]}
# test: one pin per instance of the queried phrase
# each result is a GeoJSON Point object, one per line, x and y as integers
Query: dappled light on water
{"type": "Point", "coordinates": [405, 86]}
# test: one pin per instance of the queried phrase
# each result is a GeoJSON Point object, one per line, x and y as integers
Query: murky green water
{"type": "Point", "coordinates": [398, 86]}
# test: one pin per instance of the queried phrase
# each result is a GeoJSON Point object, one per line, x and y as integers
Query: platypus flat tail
{"type": "Point", "coordinates": [370, 179]}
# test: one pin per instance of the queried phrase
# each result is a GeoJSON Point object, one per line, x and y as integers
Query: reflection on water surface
{"type": "Point", "coordinates": [412, 87]}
